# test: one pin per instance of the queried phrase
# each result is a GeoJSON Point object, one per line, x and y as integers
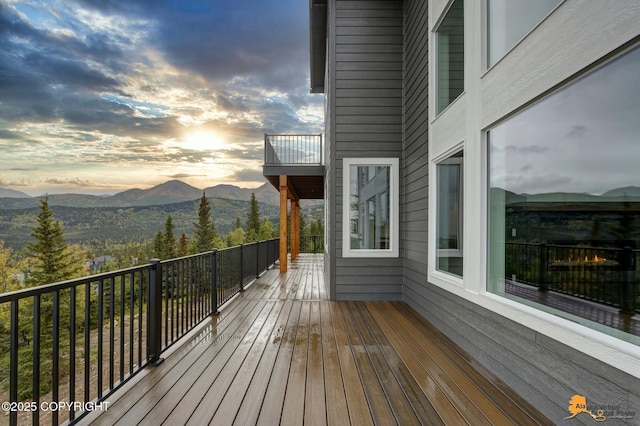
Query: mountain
{"type": "Point", "coordinates": [170, 192]}
{"type": "Point", "coordinates": [264, 194]}
{"type": "Point", "coordinates": [10, 193]}
{"type": "Point", "coordinates": [627, 191]}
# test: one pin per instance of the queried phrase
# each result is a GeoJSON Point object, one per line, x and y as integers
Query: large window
{"type": "Point", "coordinates": [450, 56]}
{"type": "Point", "coordinates": [564, 201]}
{"type": "Point", "coordinates": [449, 214]}
{"type": "Point", "coordinates": [370, 225]}
{"type": "Point", "coordinates": [510, 20]}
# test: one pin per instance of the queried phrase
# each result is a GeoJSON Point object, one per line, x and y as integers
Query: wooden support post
{"type": "Point", "coordinates": [295, 229]}
{"type": "Point", "coordinates": [283, 223]}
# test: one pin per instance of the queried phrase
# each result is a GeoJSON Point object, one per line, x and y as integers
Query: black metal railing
{"type": "Point", "coordinates": [293, 149]}
{"type": "Point", "coordinates": [605, 275]}
{"type": "Point", "coordinates": [311, 244]}
{"type": "Point", "coordinates": [71, 344]}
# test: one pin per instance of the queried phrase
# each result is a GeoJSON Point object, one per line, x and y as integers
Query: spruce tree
{"type": "Point", "coordinates": [53, 261]}
{"type": "Point", "coordinates": [205, 232]}
{"type": "Point", "coordinates": [158, 246]}
{"type": "Point", "coordinates": [253, 219]}
{"type": "Point", "coordinates": [169, 239]}
{"type": "Point", "coordinates": [183, 246]}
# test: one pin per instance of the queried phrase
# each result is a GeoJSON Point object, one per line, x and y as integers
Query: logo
{"type": "Point", "coordinates": [599, 412]}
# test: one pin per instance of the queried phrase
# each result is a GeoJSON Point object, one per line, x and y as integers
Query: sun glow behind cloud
{"type": "Point", "coordinates": [102, 96]}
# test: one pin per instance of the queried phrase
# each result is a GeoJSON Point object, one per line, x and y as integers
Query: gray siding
{"type": "Point", "coordinates": [543, 371]}
{"type": "Point", "coordinates": [364, 95]}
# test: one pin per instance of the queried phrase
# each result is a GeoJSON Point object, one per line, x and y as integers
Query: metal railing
{"type": "Point", "coordinates": [73, 343]}
{"type": "Point", "coordinates": [309, 244]}
{"type": "Point", "coordinates": [293, 149]}
{"type": "Point", "coordinates": [604, 275]}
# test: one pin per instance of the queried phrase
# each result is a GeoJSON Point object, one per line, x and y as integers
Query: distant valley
{"type": "Point", "coordinates": [138, 214]}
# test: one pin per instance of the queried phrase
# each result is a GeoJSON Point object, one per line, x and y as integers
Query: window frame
{"type": "Point", "coordinates": [452, 159]}
{"type": "Point", "coordinates": [582, 325]}
{"type": "Point", "coordinates": [437, 276]}
{"type": "Point", "coordinates": [439, 109]}
{"type": "Point", "coordinates": [394, 197]}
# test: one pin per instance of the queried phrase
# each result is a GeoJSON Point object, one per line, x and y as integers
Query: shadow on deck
{"type": "Point", "coordinates": [280, 353]}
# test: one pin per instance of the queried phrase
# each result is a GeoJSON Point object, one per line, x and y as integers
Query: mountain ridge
{"type": "Point", "coordinates": [170, 192]}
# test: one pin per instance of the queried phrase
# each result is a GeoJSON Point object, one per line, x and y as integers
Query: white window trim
{"type": "Point", "coordinates": [394, 205]}
{"type": "Point", "coordinates": [484, 106]}
{"type": "Point", "coordinates": [434, 70]}
{"type": "Point", "coordinates": [434, 275]}
{"type": "Point", "coordinates": [458, 251]}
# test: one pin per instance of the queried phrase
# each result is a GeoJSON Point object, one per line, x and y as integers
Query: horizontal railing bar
{"type": "Point", "coordinates": [63, 285]}
{"type": "Point", "coordinates": [186, 291]}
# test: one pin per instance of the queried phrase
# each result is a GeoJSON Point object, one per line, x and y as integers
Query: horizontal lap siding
{"type": "Point", "coordinates": [367, 98]}
{"type": "Point", "coordinates": [416, 157]}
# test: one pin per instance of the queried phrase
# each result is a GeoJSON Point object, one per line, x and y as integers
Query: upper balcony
{"type": "Point", "coordinates": [300, 158]}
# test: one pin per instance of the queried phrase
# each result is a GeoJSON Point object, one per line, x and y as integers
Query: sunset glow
{"type": "Point", "coordinates": [99, 97]}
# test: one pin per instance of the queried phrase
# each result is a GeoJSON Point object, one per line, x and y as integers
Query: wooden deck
{"type": "Point", "coordinates": [280, 353]}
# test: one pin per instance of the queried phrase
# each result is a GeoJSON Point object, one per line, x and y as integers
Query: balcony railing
{"type": "Point", "coordinates": [309, 244]}
{"type": "Point", "coordinates": [605, 275]}
{"type": "Point", "coordinates": [293, 149]}
{"type": "Point", "coordinates": [74, 343]}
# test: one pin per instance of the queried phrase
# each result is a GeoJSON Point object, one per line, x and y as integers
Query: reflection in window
{"type": "Point", "coordinates": [449, 215]}
{"type": "Point", "coordinates": [450, 56]}
{"type": "Point", "coordinates": [510, 20]}
{"type": "Point", "coordinates": [371, 219]}
{"type": "Point", "coordinates": [564, 201]}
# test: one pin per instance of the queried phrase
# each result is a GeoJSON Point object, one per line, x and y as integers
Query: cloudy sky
{"type": "Point", "coordinates": [581, 139]}
{"type": "Point", "coordinates": [98, 96]}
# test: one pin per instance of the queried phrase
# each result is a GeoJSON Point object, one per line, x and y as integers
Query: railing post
{"type": "Point", "coordinates": [241, 267]}
{"type": "Point", "coordinates": [214, 280]}
{"type": "Point", "coordinates": [543, 258]}
{"type": "Point", "coordinates": [258, 259]}
{"type": "Point", "coordinates": [154, 328]}
{"type": "Point", "coordinates": [269, 243]}
{"type": "Point", "coordinates": [13, 362]}
{"type": "Point", "coordinates": [627, 302]}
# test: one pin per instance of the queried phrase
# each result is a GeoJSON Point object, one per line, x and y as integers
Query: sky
{"type": "Point", "coordinates": [99, 96]}
{"type": "Point", "coordinates": [581, 139]}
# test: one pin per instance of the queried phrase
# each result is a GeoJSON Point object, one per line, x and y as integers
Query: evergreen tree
{"type": "Point", "coordinates": [253, 219]}
{"type": "Point", "coordinates": [183, 246]}
{"type": "Point", "coordinates": [238, 223]}
{"type": "Point", "coordinates": [205, 234]}
{"type": "Point", "coordinates": [169, 239]}
{"type": "Point", "coordinates": [303, 225]}
{"type": "Point", "coordinates": [158, 246]}
{"type": "Point", "coordinates": [52, 259]}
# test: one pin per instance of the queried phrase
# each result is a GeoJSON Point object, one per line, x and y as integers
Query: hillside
{"type": "Point", "coordinates": [10, 193]}
{"type": "Point", "coordinates": [128, 223]}
{"type": "Point", "coordinates": [83, 224]}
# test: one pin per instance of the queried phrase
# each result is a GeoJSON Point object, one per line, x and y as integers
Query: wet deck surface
{"type": "Point", "coordinates": [283, 354]}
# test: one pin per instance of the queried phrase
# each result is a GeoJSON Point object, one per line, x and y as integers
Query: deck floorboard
{"type": "Point", "coordinates": [280, 353]}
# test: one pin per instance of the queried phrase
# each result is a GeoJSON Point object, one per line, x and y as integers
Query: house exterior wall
{"type": "Point", "coordinates": [364, 111]}
{"type": "Point", "coordinates": [379, 103]}
{"type": "Point", "coordinates": [545, 360]}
